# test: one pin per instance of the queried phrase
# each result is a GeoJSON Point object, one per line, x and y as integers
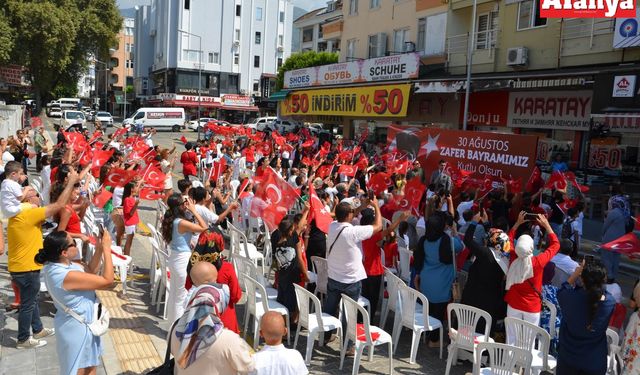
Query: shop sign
{"type": "Point", "coordinates": [439, 87]}
{"type": "Point", "coordinates": [550, 110]}
{"type": "Point", "coordinates": [395, 67]}
{"type": "Point", "coordinates": [605, 157]}
{"type": "Point", "coordinates": [626, 32]}
{"type": "Point", "coordinates": [486, 108]}
{"type": "Point", "coordinates": [494, 154]}
{"type": "Point", "coordinates": [189, 98]}
{"type": "Point", "coordinates": [12, 75]}
{"type": "Point", "coordinates": [624, 86]}
{"type": "Point", "coordinates": [237, 100]}
{"type": "Point", "coordinates": [367, 101]}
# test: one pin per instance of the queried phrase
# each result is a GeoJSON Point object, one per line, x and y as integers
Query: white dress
{"type": "Point", "coordinates": [168, 181]}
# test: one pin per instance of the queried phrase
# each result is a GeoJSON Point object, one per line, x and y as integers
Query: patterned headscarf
{"type": "Point", "coordinates": [621, 202]}
{"type": "Point", "coordinates": [500, 245]}
{"type": "Point", "coordinates": [200, 325]}
{"type": "Point", "coordinates": [208, 249]}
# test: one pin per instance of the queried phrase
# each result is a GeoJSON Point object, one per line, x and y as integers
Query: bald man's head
{"type": "Point", "coordinates": [272, 328]}
{"type": "Point", "coordinates": [203, 273]}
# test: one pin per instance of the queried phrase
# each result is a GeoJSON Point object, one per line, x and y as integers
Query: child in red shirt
{"type": "Point", "coordinates": [390, 250]}
{"type": "Point", "coordinates": [130, 202]}
{"type": "Point", "coordinates": [189, 161]}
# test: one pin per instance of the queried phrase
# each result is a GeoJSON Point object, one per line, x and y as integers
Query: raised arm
{"type": "Point", "coordinates": [76, 280]}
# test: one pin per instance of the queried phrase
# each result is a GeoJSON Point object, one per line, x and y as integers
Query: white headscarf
{"type": "Point", "coordinates": [521, 269]}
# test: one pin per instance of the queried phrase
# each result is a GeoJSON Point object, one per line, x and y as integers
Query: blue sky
{"type": "Point", "coordinates": [304, 4]}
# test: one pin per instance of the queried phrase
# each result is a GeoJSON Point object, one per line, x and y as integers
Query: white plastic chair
{"type": "Point", "coordinates": [161, 292]}
{"type": "Point", "coordinates": [240, 245]}
{"type": "Point", "coordinates": [36, 184]}
{"type": "Point", "coordinates": [234, 188]}
{"type": "Point", "coordinates": [257, 305]}
{"type": "Point", "coordinates": [418, 321]}
{"type": "Point", "coordinates": [534, 339]}
{"type": "Point", "coordinates": [383, 258]}
{"type": "Point", "coordinates": [405, 259]}
{"type": "Point", "coordinates": [503, 359]}
{"type": "Point", "coordinates": [614, 359]}
{"type": "Point", "coordinates": [553, 313]}
{"type": "Point", "coordinates": [394, 283]}
{"type": "Point", "coordinates": [465, 336]}
{"type": "Point", "coordinates": [245, 266]}
{"type": "Point", "coordinates": [321, 268]}
{"type": "Point", "coordinates": [315, 322]}
{"type": "Point", "coordinates": [121, 264]}
{"type": "Point", "coordinates": [362, 338]}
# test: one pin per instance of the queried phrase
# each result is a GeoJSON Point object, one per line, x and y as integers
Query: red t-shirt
{"type": "Point", "coordinates": [523, 296]}
{"type": "Point", "coordinates": [73, 226]}
{"type": "Point", "coordinates": [130, 214]}
{"type": "Point", "coordinates": [371, 255]}
{"type": "Point", "coordinates": [189, 159]}
{"type": "Point", "coordinates": [227, 275]}
{"type": "Point", "coordinates": [390, 252]}
{"type": "Point", "coordinates": [52, 176]}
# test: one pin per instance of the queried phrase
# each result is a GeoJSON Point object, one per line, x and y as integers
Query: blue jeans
{"type": "Point", "coordinates": [334, 295]}
{"type": "Point", "coordinates": [611, 262]}
{"type": "Point", "coordinates": [29, 314]}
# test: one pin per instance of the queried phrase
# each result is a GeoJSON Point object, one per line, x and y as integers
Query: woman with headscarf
{"type": "Point", "coordinates": [586, 313]}
{"type": "Point", "coordinates": [615, 226]}
{"type": "Point", "coordinates": [485, 285]}
{"type": "Point", "coordinates": [209, 249]}
{"type": "Point", "coordinates": [200, 342]}
{"type": "Point", "coordinates": [524, 277]}
{"type": "Point", "coordinates": [433, 263]}
{"type": "Point", "coordinates": [631, 343]}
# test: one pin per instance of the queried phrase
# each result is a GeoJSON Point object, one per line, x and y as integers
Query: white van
{"type": "Point", "coordinates": [159, 118]}
{"type": "Point", "coordinates": [260, 123]}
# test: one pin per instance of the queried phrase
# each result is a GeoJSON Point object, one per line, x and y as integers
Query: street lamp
{"type": "Point", "coordinates": [199, 73]}
{"type": "Point", "coordinates": [470, 46]}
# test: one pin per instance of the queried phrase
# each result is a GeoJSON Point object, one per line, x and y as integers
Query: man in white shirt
{"type": "Point", "coordinates": [344, 255]}
{"type": "Point", "coordinates": [466, 202]}
{"type": "Point", "coordinates": [274, 358]}
{"type": "Point", "coordinates": [562, 260]}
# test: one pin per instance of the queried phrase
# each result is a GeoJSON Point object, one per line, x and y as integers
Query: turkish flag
{"type": "Point", "coordinates": [401, 167]}
{"type": "Point", "coordinates": [306, 161]}
{"type": "Point", "coordinates": [458, 176]}
{"type": "Point", "coordinates": [152, 175]}
{"type": "Point", "coordinates": [150, 156]}
{"type": "Point", "coordinates": [278, 139]}
{"type": "Point", "coordinates": [308, 143]}
{"type": "Point", "coordinates": [347, 170]}
{"type": "Point", "coordinates": [279, 197]}
{"type": "Point", "coordinates": [243, 187]}
{"type": "Point", "coordinates": [95, 136]}
{"type": "Point", "coordinates": [362, 163]}
{"type": "Point", "coordinates": [150, 194]}
{"type": "Point", "coordinates": [217, 169]}
{"type": "Point", "coordinates": [379, 182]}
{"type": "Point", "coordinates": [118, 133]}
{"type": "Point", "coordinates": [345, 156]}
{"type": "Point", "coordinates": [628, 245]}
{"type": "Point", "coordinates": [265, 148]}
{"type": "Point", "coordinates": [486, 186]}
{"type": "Point", "coordinates": [556, 181]}
{"type": "Point", "coordinates": [100, 157]}
{"type": "Point", "coordinates": [85, 156]}
{"type": "Point", "coordinates": [293, 137]}
{"type": "Point", "coordinates": [100, 199]}
{"type": "Point", "coordinates": [76, 141]}
{"type": "Point", "coordinates": [250, 155]}
{"type": "Point", "coordinates": [535, 181]}
{"type": "Point", "coordinates": [571, 177]}
{"type": "Point", "coordinates": [399, 203]}
{"type": "Point", "coordinates": [567, 204]}
{"type": "Point", "coordinates": [36, 122]}
{"type": "Point", "coordinates": [119, 177]}
{"type": "Point", "coordinates": [514, 185]}
{"type": "Point", "coordinates": [413, 191]}
{"type": "Point", "coordinates": [318, 211]}
{"type": "Point", "coordinates": [324, 171]}
{"type": "Point", "coordinates": [183, 139]}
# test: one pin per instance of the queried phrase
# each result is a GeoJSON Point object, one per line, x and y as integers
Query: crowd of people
{"type": "Point", "coordinates": [341, 200]}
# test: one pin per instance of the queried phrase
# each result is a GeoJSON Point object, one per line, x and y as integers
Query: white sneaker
{"type": "Point", "coordinates": [30, 343]}
{"type": "Point", "coordinates": [46, 332]}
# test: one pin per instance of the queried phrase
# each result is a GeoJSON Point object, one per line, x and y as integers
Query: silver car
{"type": "Point", "coordinates": [105, 119]}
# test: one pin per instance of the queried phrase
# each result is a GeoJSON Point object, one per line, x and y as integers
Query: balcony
{"type": "Point", "coordinates": [582, 36]}
{"type": "Point", "coordinates": [484, 53]}
{"type": "Point", "coordinates": [332, 30]}
{"type": "Point", "coordinates": [459, 4]}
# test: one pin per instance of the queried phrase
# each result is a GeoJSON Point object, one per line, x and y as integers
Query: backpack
{"type": "Point", "coordinates": [567, 230]}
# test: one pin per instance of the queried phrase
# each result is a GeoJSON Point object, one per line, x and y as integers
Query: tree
{"type": "Point", "coordinates": [306, 59]}
{"type": "Point", "coordinates": [7, 36]}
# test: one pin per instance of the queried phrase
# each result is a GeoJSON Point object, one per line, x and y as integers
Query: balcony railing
{"type": "Point", "coordinates": [586, 35]}
{"type": "Point", "coordinates": [485, 40]}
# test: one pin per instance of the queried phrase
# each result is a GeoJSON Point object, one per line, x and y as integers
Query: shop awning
{"type": "Point", "coordinates": [250, 108]}
{"type": "Point", "coordinates": [279, 95]}
{"type": "Point", "coordinates": [192, 104]}
{"type": "Point", "coordinates": [619, 121]}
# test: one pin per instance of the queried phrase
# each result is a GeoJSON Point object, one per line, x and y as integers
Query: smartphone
{"type": "Point", "coordinates": [100, 229]}
{"type": "Point", "coordinates": [531, 217]}
{"type": "Point", "coordinates": [372, 195]}
{"type": "Point", "coordinates": [588, 259]}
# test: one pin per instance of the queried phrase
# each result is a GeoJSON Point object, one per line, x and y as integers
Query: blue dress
{"type": "Point", "coordinates": [436, 277]}
{"type": "Point", "coordinates": [76, 346]}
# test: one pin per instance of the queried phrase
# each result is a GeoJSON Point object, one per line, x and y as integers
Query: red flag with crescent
{"type": "Point", "coordinates": [76, 141]}
{"type": "Point", "coordinates": [318, 211]}
{"type": "Point", "coordinates": [153, 176]}
{"type": "Point", "coordinates": [100, 199]}
{"type": "Point", "coordinates": [119, 177]}
{"type": "Point", "coordinates": [628, 245]}
{"type": "Point", "coordinates": [278, 195]}
{"type": "Point", "coordinates": [556, 181]}
{"type": "Point", "coordinates": [348, 170]}
{"type": "Point", "coordinates": [150, 194]}
{"type": "Point", "coordinates": [379, 182]}
{"type": "Point", "coordinates": [100, 157]}
{"type": "Point", "coordinates": [119, 133]}
{"type": "Point", "coordinates": [324, 171]}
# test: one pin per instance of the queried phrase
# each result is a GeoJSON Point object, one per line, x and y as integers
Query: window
{"type": "Point", "coordinates": [236, 59]}
{"type": "Point", "coordinates": [258, 37]}
{"type": "Point", "coordinates": [279, 62]}
{"type": "Point", "coordinates": [256, 86]}
{"type": "Point", "coordinates": [435, 35]}
{"type": "Point", "coordinates": [281, 17]}
{"type": "Point", "coordinates": [187, 4]}
{"type": "Point", "coordinates": [486, 30]}
{"type": "Point", "coordinates": [307, 35]}
{"type": "Point", "coordinates": [421, 37]}
{"type": "Point", "coordinates": [256, 61]}
{"type": "Point", "coordinates": [351, 48]}
{"type": "Point", "coordinates": [353, 7]}
{"type": "Point", "coordinates": [280, 40]}
{"type": "Point", "coordinates": [373, 4]}
{"type": "Point", "coordinates": [238, 10]}
{"type": "Point", "coordinates": [399, 37]}
{"type": "Point", "coordinates": [377, 45]}
{"type": "Point", "coordinates": [127, 47]}
{"type": "Point", "coordinates": [258, 14]}
{"type": "Point", "coordinates": [128, 64]}
{"type": "Point", "coordinates": [128, 30]}
{"type": "Point", "coordinates": [529, 15]}
{"type": "Point", "coordinates": [210, 57]}
{"type": "Point", "coordinates": [237, 39]}
{"type": "Point", "coordinates": [216, 58]}
{"type": "Point", "coordinates": [190, 55]}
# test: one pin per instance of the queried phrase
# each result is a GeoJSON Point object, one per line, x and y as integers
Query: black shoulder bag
{"type": "Point", "coordinates": [166, 368]}
{"type": "Point", "coordinates": [334, 241]}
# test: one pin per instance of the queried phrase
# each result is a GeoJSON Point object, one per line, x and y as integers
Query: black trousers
{"type": "Point", "coordinates": [371, 291]}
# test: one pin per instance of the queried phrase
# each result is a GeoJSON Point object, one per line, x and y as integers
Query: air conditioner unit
{"type": "Point", "coordinates": [517, 56]}
{"type": "Point", "coordinates": [381, 47]}
{"type": "Point", "coordinates": [152, 32]}
{"type": "Point", "coordinates": [280, 48]}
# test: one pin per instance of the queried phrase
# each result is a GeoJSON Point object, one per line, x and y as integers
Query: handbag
{"type": "Point", "coordinates": [100, 323]}
{"type": "Point", "coordinates": [456, 294]}
{"type": "Point", "coordinates": [166, 368]}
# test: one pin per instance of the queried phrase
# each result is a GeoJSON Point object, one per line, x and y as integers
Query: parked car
{"type": "Point", "coordinates": [72, 118]}
{"type": "Point", "coordinates": [260, 123]}
{"type": "Point", "coordinates": [285, 126]}
{"type": "Point", "coordinates": [55, 112]}
{"type": "Point", "coordinates": [200, 123]}
{"type": "Point", "coordinates": [169, 118]}
{"type": "Point", "coordinates": [317, 129]}
{"type": "Point", "coordinates": [105, 119]}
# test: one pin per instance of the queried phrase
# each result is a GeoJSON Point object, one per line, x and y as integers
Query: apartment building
{"type": "Point", "coordinates": [211, 55]}
{"type": "Point", "coordinates": [310, 28]}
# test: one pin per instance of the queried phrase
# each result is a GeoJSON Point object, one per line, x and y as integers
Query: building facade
{"type": "Point", "coordinates": [216, 52]}
{"type": "Point", "coordinates": [310, 26]}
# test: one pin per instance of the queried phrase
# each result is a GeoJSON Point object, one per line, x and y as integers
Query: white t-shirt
{"type": "Point", "coordinates": [117, 196]}
{"type": "Point", "coordinates": [278, 360]}
{"type": "Point", "coordinates": [7, 157]}
{"type": "Point", "coordinates": [45, 175]}
{"type": "Point", "coordinates": [345, 258]}
{"type": "Point", "coordinates": [462, 207]}
{"type": "Point", "coordinates": [565, 263]}
{"type": "Point", "coordinates": [10, 194]}
{"type": "Point", "coordinates": [209, 216]}
{"type": "Point", "coordinates": [578, 222]}
{"type": "Point", "coordinates": [615, 291]}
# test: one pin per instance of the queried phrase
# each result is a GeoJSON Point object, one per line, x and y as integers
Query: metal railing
{"type": "Point", "coordinates": [577, 28]}
{"type": "Point", "coordinates": [484, 40]}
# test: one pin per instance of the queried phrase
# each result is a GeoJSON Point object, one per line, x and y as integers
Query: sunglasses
{"type": "Point", "coordinates": [73, 244]}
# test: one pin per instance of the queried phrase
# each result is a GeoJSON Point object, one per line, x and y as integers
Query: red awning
{"type": "Point", "coordinates": [251, 108]}
{"type": "Point", "coordinates": [189, 103]}
{"type": "Point", "coordinates": [620, 121]}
